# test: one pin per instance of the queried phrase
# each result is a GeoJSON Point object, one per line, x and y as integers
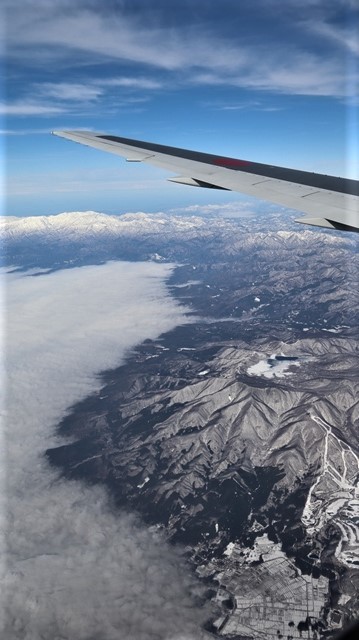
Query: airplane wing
{"type": "Point", "coordinates": [329, 201]}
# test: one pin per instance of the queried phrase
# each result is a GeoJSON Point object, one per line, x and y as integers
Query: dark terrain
{"type": "Point", "coordinates": [218, 430]}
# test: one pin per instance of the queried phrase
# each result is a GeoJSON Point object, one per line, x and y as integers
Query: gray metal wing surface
{"type": "Point", "coordinates": [328, 201]}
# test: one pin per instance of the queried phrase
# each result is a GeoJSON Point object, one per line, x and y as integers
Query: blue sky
{"type": "Point", "coordinates": [264, 80]}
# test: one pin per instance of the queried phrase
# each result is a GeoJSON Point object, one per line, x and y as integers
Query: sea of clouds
{"type": "Point", "coordinates": [73, 569]}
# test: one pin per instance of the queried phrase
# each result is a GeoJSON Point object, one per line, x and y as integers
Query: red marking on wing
{"type": "Point", "coordinates": [230, 162]}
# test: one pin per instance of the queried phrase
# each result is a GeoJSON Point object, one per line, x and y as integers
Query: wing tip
{"type": "Point", "coordinates": [73, 132]}
{"type": "Point", "coordinates": [64, 133]}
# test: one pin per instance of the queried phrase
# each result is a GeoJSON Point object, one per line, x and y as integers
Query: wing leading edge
{"type": "Point", "coordinates": [329, 201]}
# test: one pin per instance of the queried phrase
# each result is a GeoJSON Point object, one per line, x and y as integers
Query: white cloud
{"type": "Point", "coordinates": [298, 74]}
{"type": "Point", "coordinates": [192, 53]}
{"type": "Point", "coordinates": [72, 95]}
{"type": "Point", "coordinates": [348, 38]}
{"type": "Point", "coordinates": [240, 209]}
{"type": "Point", "coordinates": [23, 132]}
{"type": "Point", "coordinates": [70, 91]}
{"type": "Point", "coordinates": [28, 108]}
{"type": "Point", "coordinates": [132, 83]}
{"type": "Point", "coordinates": [74, 569]}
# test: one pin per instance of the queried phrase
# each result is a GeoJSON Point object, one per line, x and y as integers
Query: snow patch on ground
{"type": "Point", "coordinates": [272, 369]}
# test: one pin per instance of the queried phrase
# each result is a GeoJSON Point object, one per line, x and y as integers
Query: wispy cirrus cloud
{"type": "Point", "coordinates": [68, 91]}
{"type": "Point", "coordinates": [299, 74]}
{"type": "Point", "coordinates": [23, 132]}
{"type": "Point", "coordinates": [50, 98]}
{"type": "Point", "coordinates": [252, 105]}
{"type": "Point", "coordinates": [346, 37]}
{"type": "Point", "coordinates": [132, 83]}
{"type": "Point", "coordinates": [93, 90]}
{"type": "Point", "coordinates": [29, 108]}
{"type": "Point", "coordinates": [185, 53]}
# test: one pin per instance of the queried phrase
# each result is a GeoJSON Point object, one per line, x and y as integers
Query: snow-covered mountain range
{"type": "Point", "coordinates": [237, 431]}
{"type": "Point", "coordinates": [80, 237]}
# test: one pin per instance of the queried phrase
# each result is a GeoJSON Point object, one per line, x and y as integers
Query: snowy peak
{"type": "Point", "coordinates": [82, 224]}
{"type": "Point", "coordinates": [85, 223]}
{"type": "Point", "coordinates": [83, 237]}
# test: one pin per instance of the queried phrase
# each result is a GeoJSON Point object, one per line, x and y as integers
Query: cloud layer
{"type": "Point", "coordinates": [74, 569]}
{"type": "Point", "coordinates": [296, 50]}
